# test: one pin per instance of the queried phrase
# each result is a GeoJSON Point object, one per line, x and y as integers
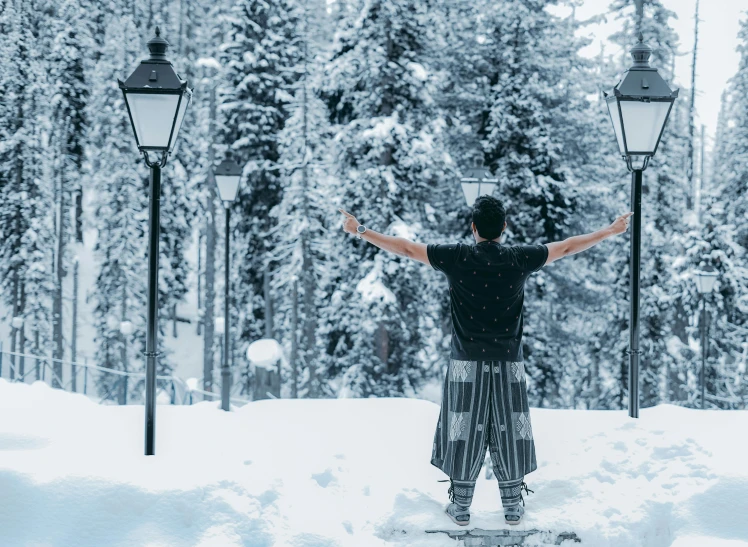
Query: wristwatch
{"type": "Point", "coordinates": [360, 229]}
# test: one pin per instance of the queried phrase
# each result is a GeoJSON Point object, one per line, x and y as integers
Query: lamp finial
{"type": "Point", "coordinates": [641, 53]}
{"type": "Point", "coordinates": [157, 46]}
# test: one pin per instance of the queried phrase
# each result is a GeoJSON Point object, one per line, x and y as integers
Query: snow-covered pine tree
{"type": "Point", "coordinates": [26, 228]}
{"type": "Point", "coordinates": [121, 206]}
{"type": "Point", "coordinates": [69, 93]}
{"type": "Point", "coordinates": [380, 93]}
{"type": "Point", "coordinates": [301, 237]}
{"type": "Point", "coordinates": [537, 136]}
{"type": "Point", "coordinates": [727, 236]}
{"type": "Point", "coordinates": [258, 59]}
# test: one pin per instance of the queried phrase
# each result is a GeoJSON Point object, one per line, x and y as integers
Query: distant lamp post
{"type": "Point", "coordinates": [477, 181]}
{"type": "Point", "coordinates": [228, 175]}
{"type": "Point", "coordinates": [706, 278]}
{"type": "Point", "coordinates": [639, 106]}
{"type": "Point", "coordinates": [156, 99]}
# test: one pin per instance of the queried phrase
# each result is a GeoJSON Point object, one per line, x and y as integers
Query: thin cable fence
{"type": "Point", "coordinates": [102, 385]}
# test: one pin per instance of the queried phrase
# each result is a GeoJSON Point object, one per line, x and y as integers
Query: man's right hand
{"type": "Point", "coordinates": [620, 224]}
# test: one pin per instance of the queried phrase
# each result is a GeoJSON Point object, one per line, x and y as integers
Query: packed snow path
{"type": "Point", "coordinates": [352, 472]}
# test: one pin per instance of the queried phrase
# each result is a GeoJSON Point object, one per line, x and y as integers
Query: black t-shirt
{"type": "Point", "coordinates": [486, 294]}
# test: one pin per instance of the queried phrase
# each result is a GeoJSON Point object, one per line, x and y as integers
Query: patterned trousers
{"type": "Point", "coordinates": [484, 404]}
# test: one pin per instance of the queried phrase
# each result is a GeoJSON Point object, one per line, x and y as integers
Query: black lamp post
{"type": "Point", "coordinates": [156, 99]}
{"type": "Point", "coordinates": [705, 278]}
{"type": "Point", "coordinates": [228, 175]}
{"type": "Point", "coordinates": [639, 106]}
{"type": "Point", "coordinates": [477, 182]}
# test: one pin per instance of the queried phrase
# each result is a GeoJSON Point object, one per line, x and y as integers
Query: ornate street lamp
{"type": "Point", "coordinates": [705, 278]}
{"type": "Point", "coordinates": [156, 99]}
{"type": "Point", "coordinates": [477, 182]}
{"type": "Point", "coordinates": [639, 106]}
{"type": "Point", "coordinates": [228, 175]}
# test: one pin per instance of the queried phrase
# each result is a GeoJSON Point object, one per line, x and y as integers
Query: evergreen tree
{"type": "Point", "coordinates": [121, 206]}
{"type": "Point", "coordinates": [69, 90]}
{"type": "Point", "coordinates": [26, 228]}
{"type": "Point", "coordinates": [258, 61]}
{"type": "Point", "coordinates": [300, 234]}
{"type": "Point", "coordinates": [379, 93]}
{"type": "Point", "coordinates": [532, 117]}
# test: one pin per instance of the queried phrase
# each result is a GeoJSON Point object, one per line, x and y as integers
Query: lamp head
{"type": "Point", "coordinates": [639, 105]}
{"type": "Point", "coordinates": [477, 182]}
{"type": "Point", "coordinates": [706, 278]}
{"type": "Point", "coordinates": [228, 175]}
{"type": "Point", "coordinates": [156, 99]}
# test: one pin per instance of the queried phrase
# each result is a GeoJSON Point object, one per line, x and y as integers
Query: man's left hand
{"type": "Point", "coordinates": [350, 223]}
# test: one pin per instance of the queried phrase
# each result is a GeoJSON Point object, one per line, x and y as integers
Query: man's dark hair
{"type": "Point", "coordinates": [489, 216]}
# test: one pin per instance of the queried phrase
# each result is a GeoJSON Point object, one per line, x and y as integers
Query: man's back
{"type": "Point", "coordinates": [486, 291]}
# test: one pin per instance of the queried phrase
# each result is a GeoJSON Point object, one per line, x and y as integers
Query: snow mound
{"type": "Point", "coordinates": [351, 472]}
{"type": "Point", "coordinates": [265, 353]}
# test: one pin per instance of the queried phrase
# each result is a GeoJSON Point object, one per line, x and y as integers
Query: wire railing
{"type": "Point", "coordinates": [101, 384]}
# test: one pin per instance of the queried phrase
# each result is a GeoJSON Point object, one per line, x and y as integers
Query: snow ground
{"type": "Point", "coordinates": [351, 472]}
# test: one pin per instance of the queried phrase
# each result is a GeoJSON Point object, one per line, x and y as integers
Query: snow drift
{"type": "Point", "coordinates": [351, 472]}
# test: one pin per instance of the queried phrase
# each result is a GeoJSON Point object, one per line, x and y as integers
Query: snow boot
{"type": "Point", "coordinates": [513, 513]}
{"type": "Point", "coordinates": [460, 496]}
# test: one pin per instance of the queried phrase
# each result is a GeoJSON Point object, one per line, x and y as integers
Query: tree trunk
{"type": "Point", "coordinates": [13, 330]}
{"type": "Point", "coordinates": [74, 335]}
{"type": "Point", "coordinates": [57, 337]}
{"type": "Point", "coordinates": [210, 258]}
{"type": "Point", "coordinates": [268, 305]}
{"type": "Point", "coordinates": [123, 385]}
{"type": "Point", "coordinates": [310, 319]}
{"type": "Point", "coordinates": [382, 345]}
{"type": "Point", "coordinates": [294, 345]}
{"type": "Point", "coordinates": [199, 280]}
{"type": "Point", "coordinates": [308, 279]}
{"type": "Point", "coordinates": [702, 184]}
{"type": "Point", "coordinates": [691, 193]}
{"type": "Point", "coordinates": [79, 215]}
{"type": "Point", "coordinates": [22, 334]}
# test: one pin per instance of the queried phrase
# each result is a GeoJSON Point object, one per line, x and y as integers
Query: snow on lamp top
{"type": "Point", "coordinates": [265, 353]}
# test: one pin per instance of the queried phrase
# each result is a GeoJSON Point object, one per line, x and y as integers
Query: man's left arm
{"type": "Point", "coordinates": [397, 245]}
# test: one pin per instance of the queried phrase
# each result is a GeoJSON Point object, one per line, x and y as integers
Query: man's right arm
{"type": "Point", "coordinates": [577, 244]}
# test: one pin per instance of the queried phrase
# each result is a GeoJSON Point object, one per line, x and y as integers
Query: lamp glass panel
{"type": "Point", "coordinates": [180, 118]}
{"type": "Point", "coordinates": [643, 123]}
{"type": "Point", "coordinates": [227, 186]}
{"type": "Point", "coordinates": [152, 116]}
{"type": "Point", "coordinates": [470, 189]}
{"type": "Point", "coordinates": [486, 188]}
{"type": "Point", "coordinates": [616, 119]}
{"type": "Point", "coordinates": [705, 282]}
